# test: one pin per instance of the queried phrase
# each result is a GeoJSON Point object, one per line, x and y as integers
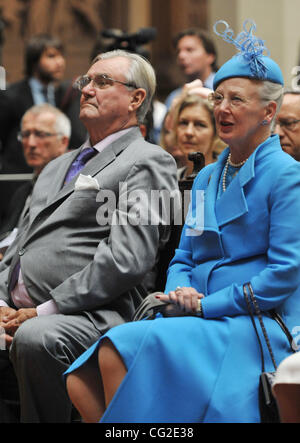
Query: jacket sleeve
{"type": "Point", "coordinates": [281, 277]}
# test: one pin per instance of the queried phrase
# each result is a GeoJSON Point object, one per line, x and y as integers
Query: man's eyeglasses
{"type": "Point", "coordinates": [23, 135]}
{"type": "Point", "coordinates": [100, 81]}
{"type": "Point", "coordinates": [290, 125]}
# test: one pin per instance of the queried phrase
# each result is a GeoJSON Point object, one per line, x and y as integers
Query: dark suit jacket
{"type": "Point", "coordinates": [14, 102]}
{"type": "Point", "coordinates": [15, 209]}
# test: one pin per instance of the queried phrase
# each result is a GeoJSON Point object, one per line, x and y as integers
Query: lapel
{"type": "Point", "coordinates": [93, 167]}
{"type": "Point", "coordinates": [58, 94]}
{"type": "Point", "coordinates": [57, 193]}
{"type": "Point", "coordinates": [61, 173]}
{"type": "Point", "coordinates": [208, 182]}
{"type": "Point", "coordinates": [25, 98]}
{"type": "Point", "coordinates": [27, 94]}
{"type": "Point", "coordinates": [210, 220]}
{"type": "Point", "coordinates": [64, 94]}
{"type": "Point", "coordinates": [233, 204]}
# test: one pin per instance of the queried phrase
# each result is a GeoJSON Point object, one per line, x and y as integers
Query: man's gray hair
{"type": "Point", "coordinates": [140, 73]}
{"type": "Point", "coordinates": [62, 122]}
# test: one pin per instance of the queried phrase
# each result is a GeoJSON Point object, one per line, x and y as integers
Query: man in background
{"type": "Point", "coordinates": [45, 134]}
{"type": "Point", "coordinates": [196, 57]}
{"type": "Point", "coordinates": [288, 124]}
{"type": "Point", "coordinates": [44, 70]}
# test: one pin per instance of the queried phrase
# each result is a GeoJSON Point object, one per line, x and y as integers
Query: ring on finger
{"type": "Point", "coordinates": [199, 308]}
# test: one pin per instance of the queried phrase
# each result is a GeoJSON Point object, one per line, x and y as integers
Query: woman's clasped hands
{"type": "Point", "coordinates": [183, 301]}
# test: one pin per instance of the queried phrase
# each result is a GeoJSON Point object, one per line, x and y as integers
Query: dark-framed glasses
{"type": "Point", "coordinates": [100, 81]}
{"type": "Point", "coordinates": [23, 135]}
{"type": "Point", "coordinates": [289, 125]}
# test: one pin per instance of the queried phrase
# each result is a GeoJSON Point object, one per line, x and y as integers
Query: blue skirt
{"type": "Point", "coordinates": [188, 370]}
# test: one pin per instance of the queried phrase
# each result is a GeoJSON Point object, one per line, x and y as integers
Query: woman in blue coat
{"type": "Point", "coordinates": [206, 367]}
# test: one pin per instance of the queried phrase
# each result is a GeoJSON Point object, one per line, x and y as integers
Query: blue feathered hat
{"type": "Point", "coordinates": [250, 60]}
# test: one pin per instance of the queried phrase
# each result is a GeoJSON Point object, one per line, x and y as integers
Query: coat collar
{"type": "Point", "coordinates": [232, 203]}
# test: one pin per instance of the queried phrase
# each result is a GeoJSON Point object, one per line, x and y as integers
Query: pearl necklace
{"type": "Point", "coordinates": [235, 165]}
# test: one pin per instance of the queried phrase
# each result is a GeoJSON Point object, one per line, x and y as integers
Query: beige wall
{"type": "Point", "coordinates": [139, 14]}
{"type": "Point", "coordinates": [291, 38]}
{"type": "Point", "coordinates": [222, 10]}
{"type": "Point", "coordinates": [277, 23]}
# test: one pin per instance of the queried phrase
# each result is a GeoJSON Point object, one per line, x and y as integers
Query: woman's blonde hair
{"type": "Point", "coordinates": [195, 99]}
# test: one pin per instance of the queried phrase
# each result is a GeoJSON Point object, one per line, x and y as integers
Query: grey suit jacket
{"type": "Point", "coordinates": [69, 252]}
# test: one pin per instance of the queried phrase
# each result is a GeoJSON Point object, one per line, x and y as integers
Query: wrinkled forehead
{"type": "Point", "coordinates": [292, 100]}
{"type": "Point", "coordinates": [290, 106]}
{"type": "Point", "coordinates": [194, 109]}
{"type": "Point", "coordinates": [116, 67]}
{"type": "Point", "coordinates": [41, 120]}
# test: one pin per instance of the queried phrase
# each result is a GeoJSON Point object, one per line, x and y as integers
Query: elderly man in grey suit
{"type": "Point", "coordinates": [83, 254]}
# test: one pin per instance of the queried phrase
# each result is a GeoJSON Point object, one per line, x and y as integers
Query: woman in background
{"type": "Point", "coordinates": [195, 131]}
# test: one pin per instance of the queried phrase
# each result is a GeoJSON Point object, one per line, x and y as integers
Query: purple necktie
{"type": "Point", "coordinates": [14, 276]}
{"type": "Point", "coordinates": [79, 162]}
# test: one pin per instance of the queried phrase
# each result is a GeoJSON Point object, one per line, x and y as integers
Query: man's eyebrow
{"type": "Point", "coordinates": [102, 74]}
{"type": "Point", "coordinates": [286, 117]}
